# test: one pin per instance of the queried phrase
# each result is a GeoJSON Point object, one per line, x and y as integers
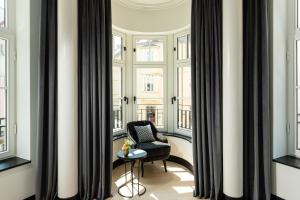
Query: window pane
{"type": "Point", "coordinates": [184, 103]}
{"type": "Point", "coordinates": [189, 46]}
{"type": "Point", "coordinates": [150, 95]}
{"type": "Point", "coordinates": [149, 83]}
{"type": "Point", "coordinates": [298, 117]}
{"type": "Point", "coordinates": [298, 14]}
{"type": "Point", "coordinates": [3, 11]}
{"type": "Point", "coordinates": [152, 110]}
{"type": "Point", "coordinates": [3, 96]}
{"type": "Point", "coordinates": [182, 48]}
{"type": "Point", "coordinates": [149, 50]}
{"type": "Point", "coordinates": [298, 62]}
{"type": "Point", "coordinates": [117, 47]}
{"type": "Point", "coordinates": [117, 98]}
{"type": "Point", "coordinates": [184, 82]}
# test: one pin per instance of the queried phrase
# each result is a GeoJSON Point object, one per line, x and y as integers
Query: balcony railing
{"type": "Point", "coordinates": [2, 126]}
{"type": "Point", "coordinates": [2, 134]}
{"type": "Point", "coordinates": [152, 114]}
{"type": "Point", "coordinates": [184, 119]}
{"type": "Point", "coordinates": [117, 116]}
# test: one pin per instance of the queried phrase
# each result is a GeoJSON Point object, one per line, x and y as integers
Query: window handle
{"type": "Point", "coordinates": [173, 99]}
{"type": "Point", "coordinates": [134, 99]}
{"type": "Point", "coordinates": [126, 99]}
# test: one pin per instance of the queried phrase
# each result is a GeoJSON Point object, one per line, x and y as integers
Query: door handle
{"type": "Point", "coordinates": [134, 99]}
{"type": "Point", "coordinates": [173, 99]}
{"type": "Point", "coordinates": [126, 99]}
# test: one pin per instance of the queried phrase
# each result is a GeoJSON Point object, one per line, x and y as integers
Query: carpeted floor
{"type": "Point", "coordinates": [176, 184]}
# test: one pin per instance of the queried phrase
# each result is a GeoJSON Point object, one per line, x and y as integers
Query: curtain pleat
{"type": "Point", "coordinates": [206, 34]}
{"type": "Point", "coordinates": [95, 99]}
{"type": "Point", "coordinates": [257, 124]}
{"type": "Point", "coordinates": [47, 104]}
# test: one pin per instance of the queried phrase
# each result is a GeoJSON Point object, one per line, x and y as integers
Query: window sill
{"type": "Point", "coordinates": [118, 136]}
{"type": "Point", "coordinates": [11, 163]}
{"type": "Point", "coordinates": [178, 135]}
{"type": "Point", "coordinates": [291, 161]}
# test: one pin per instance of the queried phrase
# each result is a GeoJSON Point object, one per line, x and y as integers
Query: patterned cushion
{"type": "Point", "coordinates": [144, 133]}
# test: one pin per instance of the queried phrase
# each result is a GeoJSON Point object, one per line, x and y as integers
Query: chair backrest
{"type": "Point", "coordinates": [131, 130]}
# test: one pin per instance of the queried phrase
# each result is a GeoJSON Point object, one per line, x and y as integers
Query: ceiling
{"type": "Point", "coordinates": [150, 4]}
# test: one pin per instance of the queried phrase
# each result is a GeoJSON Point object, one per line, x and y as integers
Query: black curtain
{"type": "Point", "coordinates": [206, 34]}
{"type": "Point", "coordinates": [95, 99]}
{"type": "Point", "coordinates": [47, 104]}
{"type": "Point", "coordinates": [257, 134]}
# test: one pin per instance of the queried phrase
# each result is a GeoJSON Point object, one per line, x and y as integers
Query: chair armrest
{"type": "Point", "coordinates": [161, 138]}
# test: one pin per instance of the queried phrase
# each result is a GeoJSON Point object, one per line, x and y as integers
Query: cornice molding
{"type": "Point", "coordinates": [150, 6]}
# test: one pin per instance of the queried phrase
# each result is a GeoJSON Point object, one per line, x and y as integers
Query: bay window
{"type": "Point", "coordinates": [150, 91]}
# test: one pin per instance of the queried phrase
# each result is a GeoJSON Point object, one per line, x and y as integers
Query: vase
{"type": "Point", "coordinates": [126, 152]}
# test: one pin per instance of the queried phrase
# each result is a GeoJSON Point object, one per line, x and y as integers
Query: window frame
{"type": "Point", "coordinates": [165, 96]}
{"type": "Point", "coordinates": [8, 33]}
{"type": "Point", "coordinates": [122, 65]}
{"type": "Point", "coordinates": [149, 37]}
{"type": "Point", "coordinates": [180, 64]}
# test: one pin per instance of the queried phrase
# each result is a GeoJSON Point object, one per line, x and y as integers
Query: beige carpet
{"type": "Point", "coordinates": [177, 184]}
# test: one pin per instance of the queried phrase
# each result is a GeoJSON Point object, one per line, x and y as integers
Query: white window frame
{"type": "Point", "coordinates": [146, 65]}
{"type": "Point", "coordinates": [178, 64]}
{"type": "Point", "coordinates": [121, 64]}
{"type": "Point", "coordinates": [153, 37]}
{"type": "Point", "coordinates": [165, 97]}
{"type": "Point", "coordinates": [8, 33]}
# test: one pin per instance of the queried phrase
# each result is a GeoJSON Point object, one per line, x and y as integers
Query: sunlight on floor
{"type": "Point", "coordinates": [176, 184]}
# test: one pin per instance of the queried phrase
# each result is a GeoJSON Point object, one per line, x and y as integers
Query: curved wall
{"type": "Point", "coordinates": [151, 20]}
{"type": "Point", "coordinates": [179, 147]}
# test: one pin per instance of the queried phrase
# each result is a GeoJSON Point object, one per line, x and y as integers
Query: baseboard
{"type": "Point", "coordinates": [231, 198]}
{"type": "Point", "coordinates": [76, 197]}
{"type": "Point", "coordinates": [174, 159]}
{"type": "Point", "coordinates": [30, 198]}
{"type": "Point", "coordinates": [274, 197]}
{"type": "Point", "coordinates": [117, 163]}
{"type": "Point", "coordinates": [181, 161]}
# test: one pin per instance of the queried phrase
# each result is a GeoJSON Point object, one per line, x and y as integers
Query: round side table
{"type": "Point", "coordinates": [133, 156]}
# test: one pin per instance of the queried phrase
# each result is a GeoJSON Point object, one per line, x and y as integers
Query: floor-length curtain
{"type": "Point", "coordinates": [47, 104]}
{"type": "Point", "coordinates": [206, 33]}
{"type": "Point", "coordinates": [257, 135]}
{"type": "Point", "coordinates": [95, 99]}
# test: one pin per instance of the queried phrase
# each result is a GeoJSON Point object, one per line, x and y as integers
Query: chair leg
{"type": "Point", "coordinates": [165, 164]}
{"type": "Point", "coordinates": [152, 162]}
{"type": "Point", "coordinates": [142, 166]}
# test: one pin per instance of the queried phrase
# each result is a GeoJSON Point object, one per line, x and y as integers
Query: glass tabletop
{"type": "Point", "coordinates": [133, 154]}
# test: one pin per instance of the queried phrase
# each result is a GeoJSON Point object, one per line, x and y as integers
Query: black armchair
{"type": "Point", "coordinates": [157, 150]}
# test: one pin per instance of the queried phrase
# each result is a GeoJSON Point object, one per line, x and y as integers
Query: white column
{"type": "Point", "coordinates": [233, 98]}
{"type": "Point", "coordinates": [67, 99]}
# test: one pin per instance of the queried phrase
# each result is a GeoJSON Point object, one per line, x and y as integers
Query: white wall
{"type": "Point", "coordinates": [151, 21]}
{"type": "Point", "coordinates": [285, 181]}
{"type": "Point", "coordinates": [179, 147]}
{"type": "Point", "coordinates": [19, 183]}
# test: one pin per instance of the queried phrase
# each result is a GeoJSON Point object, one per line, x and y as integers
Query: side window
{"type": "Point", "coordinates": [183, 106]}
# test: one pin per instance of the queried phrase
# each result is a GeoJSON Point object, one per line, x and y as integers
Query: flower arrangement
{"type": "Point", "coordinates": [126, 147]}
